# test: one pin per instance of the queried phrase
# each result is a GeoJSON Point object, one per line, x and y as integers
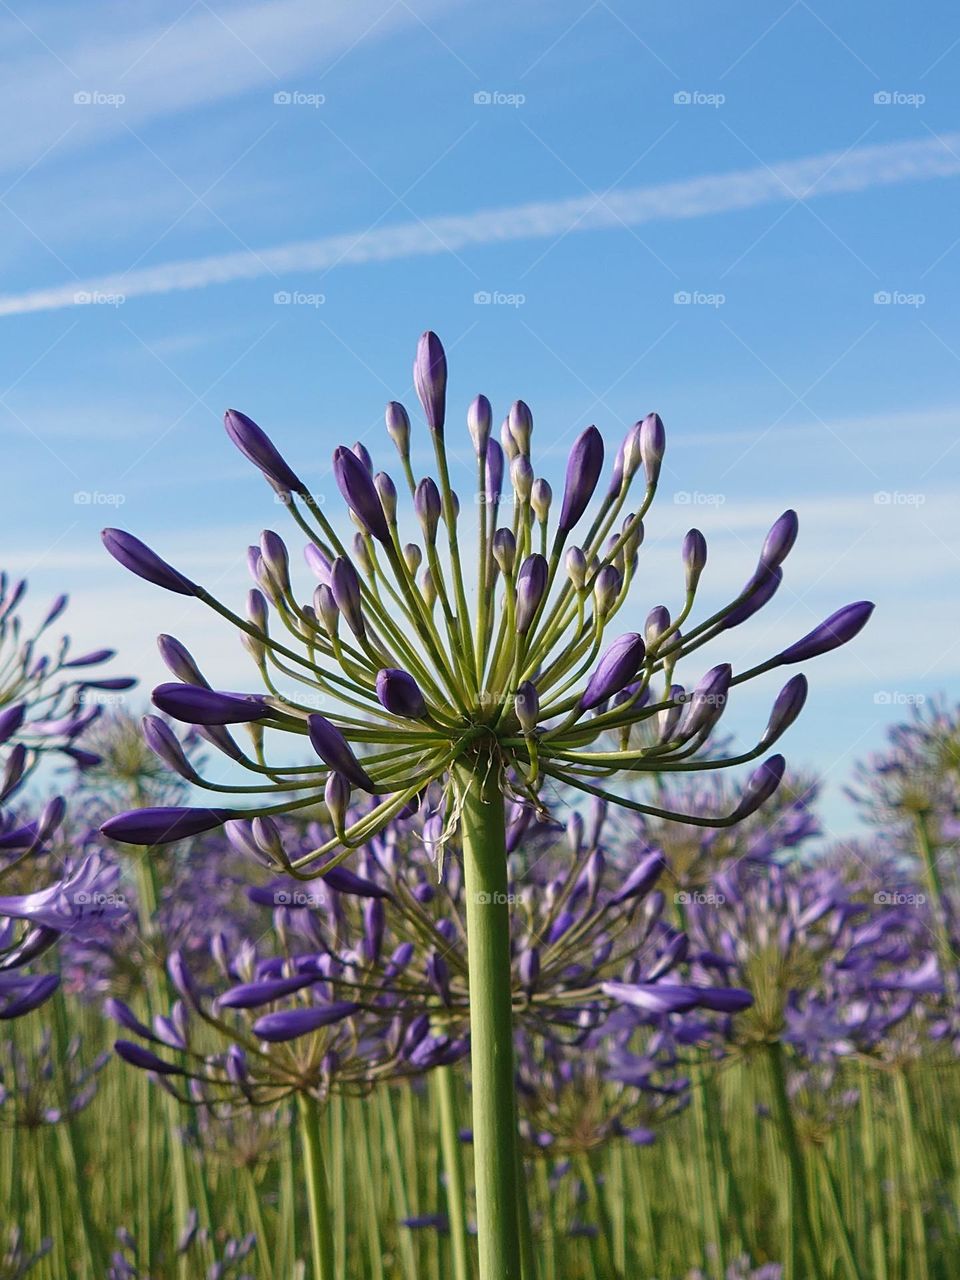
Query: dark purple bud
{"type": "Point", "coordinates": [615, 670]}
{"type": "Point", "coordinates": [479, 417]}
{"type": "Point", "coordinates": [11, 720]}
{"type": "Point", "coordinates": [194, 704]}
{"type": "Point", "coordinates": [779, 541]}
{"type": "Point", "coordinates": [162, 826]}
{"type": "Point", "coordinates": [92, 659]}
{"type": "Point", "coordinates": [641, 879]}
{"type": "Point", "coordinates": [531, 586]}
{"type": "Point", "coordinates": [139, 559]}
{"type": "Point", "coordinates": [583, 471]}
{"type": "Point", "coordinates": [178, 660]}
{"type": "Point", "coordinates": [658, 621]}
{"type": "Point", "coordinates": [426, 503]}
{"type": "Point", "coordinates": [275, 556]}
{"type": "Point", "coordinates": [493, 473]}
{"type": "Point", "coordinates": [761, 785]}
{"type": "Point", "coordinates": [606, 588]}
{"type": "Point", "coordinates": [345, 587]}
{"type": "Point", "coordinates": [529, 966]}
{"type": "Point", "coordinates": [30, 995]}
{"type": "Point", "coordinates": [504, 551]}
{"type": "Point", "coordinates": [256, 446]}
{"type": "Point", "coordinates": [374, 924]}
{"type": "Point", "coordinates": [723, 999]}
{"type": "Point", "coordinates": [400, 694]}
{"type": "Point", "coordinates": [334, 750]}
{"type": "Point", "coordinates": [363, 453]}
{"type": "Point", "coordinates": [278, 1027]}
{"type": "Point", "coordinates": [161, 739]}
{"type": "Point", "coordinates": [387, 493]}
{"type": "Point", "coordinates": [123, 1015]}
{"type": "Point", "coordinates": [217, 735]}
{"type": "Point", "coordinates": [138, 1056]}
{"type": "Point", "coordinates": [360, 494]}
{"type": "Point", "coordinates": [707, 702]}
{"type": "Point", "coordinates": [653, 444]}
{"type": "Point", "coordinates": [652, 997]}
{"type": "Point", "coordinates": [398, 427]}
{"type": "Point", "coordinates": [430, 380]}
{"type": "Point", "coordinates": [526, 703]}
{"type": "Point", "coordinates": [761, 588]}
{"type": "Point", "coordinates": [251, 995]}
{"type": "Point", "coordinates": [785, 710]}
{"type": "Point", "coordinates": [830, 634]}
{"type": "Point", "coordinates": [336, 795]}
{"type": "Point", "coordinates": [694, 553]}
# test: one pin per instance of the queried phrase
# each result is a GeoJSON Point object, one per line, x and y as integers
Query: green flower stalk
{"type": "Point", "coordinates": [529, 689]}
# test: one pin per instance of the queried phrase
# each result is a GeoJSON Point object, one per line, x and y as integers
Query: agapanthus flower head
{"type": "Point", "coordinates": [419, 686]}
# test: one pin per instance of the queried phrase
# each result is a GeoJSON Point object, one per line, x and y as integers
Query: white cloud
{"type": "Point", "coordinates": [858, 169]}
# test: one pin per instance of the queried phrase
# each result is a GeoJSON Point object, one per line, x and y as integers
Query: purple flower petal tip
{"type": "Point", "coordinates": [164, 825]}
{"type": "Point", "coordinates": [139, 559]}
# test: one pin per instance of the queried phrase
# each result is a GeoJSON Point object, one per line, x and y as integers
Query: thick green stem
{"type": "Point", "coordinates": [318, 1196]}
{"type": "Point", "coordinates": [491, 1025]}
{"type": "Point", "coordinates": [453, 1168]}
{"type": "Point", "coordinates": [799, 1197]}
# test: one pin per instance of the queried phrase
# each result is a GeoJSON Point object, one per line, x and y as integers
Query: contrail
{"type": "Point", "coordinates": [838, 171]}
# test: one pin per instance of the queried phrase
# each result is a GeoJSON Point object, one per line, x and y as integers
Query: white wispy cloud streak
{"type": "Point", "coordinates": [858, 169]}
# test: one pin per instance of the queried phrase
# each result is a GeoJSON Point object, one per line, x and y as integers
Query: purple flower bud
{"type": "Point", "coordinates": [162, 826]}
{"type": "Point", "coordinates": [334, 750]}
{"type": "Point", "coordinates": [723, 999]}
{"type": "Point", "coordinates": [479, 417]}
{"type": "Point", "coordinates": [178, 659]}
{"type": "Point", "coordinates": [11, 720]}
{"type": "Point", "coordinates": [707, 701]}
{"type": "Point", "coordinates": [658, 621]}
{"type": "Point", "coordinates": [336, 794]}
{"type": "Point", "coordinates": [288, 1025]}
{"type": "Point", "coordinates": [161, 739]}
{"type": "Point", "coordinates": [606, 588]}
{"type": "Point", "coordinates": [762, 587]}
{"type": "Point", "coordinates": [426, 503]}
{"type": "Point", "coordinates": [616, 668]}
{"type": "Point", "coordinates": [583, 471]}
{"type": "Point", "coordinates": [761, 785]}
{"type": "Point", "coordinates": [194, 704]}
{"type": "Point", "coordinates": [317, 563]}
{"type": "Point", "coordinates": [641, 879]}
{"type": "Point", "coordinates": [531, 585]}
{"type": "Point", "coordinates": [694, 553]}
{"type": "Point", "coordinates": [541, 496]}
{"type": "Point", "coordinates": [575, 563]}
{"type": "Point", "coordinates": [652, 997]}
{"type": "Point", "coordinates": [785, 710]}
{"type": "Point", "coordinates": [363, 453]}
{"type": "Point", "coordinates": [504, 550]}
{"type": "Point", "coordinates": [830, 634]}
{"type": "Point", "coordinates": [276, 557]}
{"type": "Point", "coordinates": [360, 494]}
{"type": "Point", "coordinates": [780, 540]}
{"type": "Point", "coordinates": [345, 587]}
{"type": "Point", "coordinates": [526, 703]}
{"type": "Point", "coordinates": [387, 493]}
{"type": "Point", "coordinates": [520, 425]}
{"type": "Point", "coordinates": [398, 427]}
{"type": "Point", "coordinates": [92, 659]}
{"type": "Point", "coordinates": [251, 995]}
{"type": "Point", "coordinates": [138, 1056]}
{"type": "Point", "coordinates": [529, 966]}
{"type": "Point", "coordinates": [493, 472]}
{"type": "Point", "coordinates": [521, 477]}
{"type": "Point", "coordinates": [256, 446]}
{"type": "Point", "coordinates": [400, 694]}
{"type": "Point", "coordinates": [123, 1015]}
{"type": "Point", "coordinates": [430, 380]}
{"type": "Point", "coordinates": [653, 443]}
{"type": "Point", "coordinates": [139, 559]}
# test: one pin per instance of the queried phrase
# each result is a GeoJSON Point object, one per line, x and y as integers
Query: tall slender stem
{"type": "Point", "coordinates": [318, 1197]}
{"type": "Point", "coordinates": [799, 1196]}
{"type": "Point", "coordinates": [491, 1029]}
{"type": "Point", "coordinates": [453, 1168]}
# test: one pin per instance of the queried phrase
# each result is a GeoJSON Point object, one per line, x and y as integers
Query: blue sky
{"type": "Point", "coordinates": [792, 172]}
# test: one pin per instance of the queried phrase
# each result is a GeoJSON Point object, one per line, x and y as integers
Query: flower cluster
{"type": "Point", "coordinates": [417, 687]}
